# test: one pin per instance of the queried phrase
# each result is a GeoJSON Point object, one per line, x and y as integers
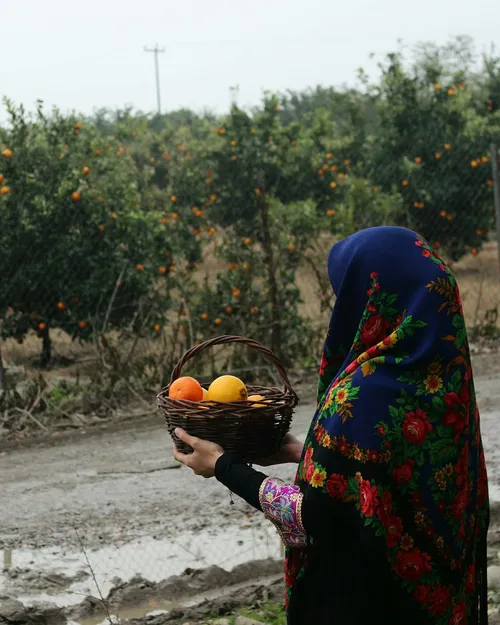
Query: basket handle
{"type": "Point", "coordinates": [223, 340]}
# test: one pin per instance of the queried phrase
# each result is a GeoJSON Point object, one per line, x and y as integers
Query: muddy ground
{"type": "Point", "coordinates": [108, 505]}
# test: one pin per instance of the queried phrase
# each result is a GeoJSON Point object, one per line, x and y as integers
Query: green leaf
{"type": "Point", "coordinates": [442, 454]}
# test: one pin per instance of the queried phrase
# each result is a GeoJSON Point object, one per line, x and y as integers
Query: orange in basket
{"type": "Point", "coordinates": [186, 388]}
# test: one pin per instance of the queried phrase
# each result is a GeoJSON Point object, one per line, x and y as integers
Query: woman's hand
{"type": "Point", "coordinates": [290, 451]}
{"type": "Point", "coordinates": [205, 455]}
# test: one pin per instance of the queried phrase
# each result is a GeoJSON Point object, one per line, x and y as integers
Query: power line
{"type": "Point", "coordinates": [157, 50]}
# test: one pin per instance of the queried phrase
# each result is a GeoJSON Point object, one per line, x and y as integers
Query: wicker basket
{"type": "Point", "coordinates": [241, 427]}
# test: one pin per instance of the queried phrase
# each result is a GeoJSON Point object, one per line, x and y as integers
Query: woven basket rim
{"type": "Point", "coordinates": [227, 339]}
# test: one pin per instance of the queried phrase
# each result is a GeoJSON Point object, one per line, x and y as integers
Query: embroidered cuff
{"type": "Point", "coordinates": [282, 505]}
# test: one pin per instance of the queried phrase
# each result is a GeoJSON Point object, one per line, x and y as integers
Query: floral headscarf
{"type": "Point", "coordinates": [396, 433]}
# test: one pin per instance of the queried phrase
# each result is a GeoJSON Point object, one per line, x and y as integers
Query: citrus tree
{"type": "Point", "coordinates": [432, 146]}
{"type": "Point", "coordinates": [77, 250]}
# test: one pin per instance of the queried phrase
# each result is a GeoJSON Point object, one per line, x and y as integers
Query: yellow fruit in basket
{"type": "Point", "coordinates": [227, 388]}
{"type": "Point", "coordinates": [205, 394]}
{"type": "Point", "coordinates": [257, 398]}
{"type": "Point", "coordinates": [187, 389]}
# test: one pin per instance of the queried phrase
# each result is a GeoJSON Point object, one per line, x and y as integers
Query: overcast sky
{"type": "Point", "coordinates": [89, 54]}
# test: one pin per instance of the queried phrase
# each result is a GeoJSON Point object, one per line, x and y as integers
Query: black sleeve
{"type": "Point", "coordinates": [232, 471]}
{"type": "Point", "coordinates": [322, 516]}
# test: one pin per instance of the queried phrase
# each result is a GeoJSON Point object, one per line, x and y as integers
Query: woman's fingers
{"type": "Point", "coordinates": [180, 457]}
{"type": "Point", "coordinates": [183, 436]}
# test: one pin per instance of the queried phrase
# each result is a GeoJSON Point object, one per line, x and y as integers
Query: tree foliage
{"type": "Point", "coordinates": [105, 222]}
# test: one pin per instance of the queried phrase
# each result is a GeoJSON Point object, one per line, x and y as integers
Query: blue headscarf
{"type": "Point", "coordinates": [396, 433]}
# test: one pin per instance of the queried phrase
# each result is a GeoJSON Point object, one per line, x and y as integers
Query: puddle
{"type": "Point", "coordinates": [154, 560]}
{"type": "Point", "coordinates": [162, 607]}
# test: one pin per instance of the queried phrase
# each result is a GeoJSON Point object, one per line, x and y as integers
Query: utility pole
{"type": "Point", "coordinates": [156, 51]}
{"type": "Point", "coordinates": [234, 93]}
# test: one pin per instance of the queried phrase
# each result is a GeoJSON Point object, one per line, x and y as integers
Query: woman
{"type": "Point", "coordinates": [387, 521]}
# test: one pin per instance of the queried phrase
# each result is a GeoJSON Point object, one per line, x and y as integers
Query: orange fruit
{"type": "Point", "coordinates": [256, 398]}
{"type": "Point", "coordinates": [76, 196]}
{"type": "Point", "coordinates": [139, 267]}
{"type": "Point", "coordinates": [162, 270]}
{"type": "Point", "coordinates": [186, 388]}
{"type": "Point", "coordinates": [227, 388]}
{"type": "Point", "coordinates": [82, 325]}
{"type": "Point", "coordinates": [7, 153]}
{"type": "Point", "coordinates": [86, 171]}
{"type": "Point", "coordinates": [4, 190]}
{"type": "Point", "coordinates": [61, 305]}
{"type": "Point", "coordinates": [2, 178]}
{"type": "Point", "coordinates": [101, 228]}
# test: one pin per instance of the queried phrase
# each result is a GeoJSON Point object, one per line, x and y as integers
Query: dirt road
{"type": "Point", "coordinates": [116, 495]}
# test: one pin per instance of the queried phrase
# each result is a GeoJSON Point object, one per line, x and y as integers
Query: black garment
{"type": "Point", "coordinates": [348, 580]}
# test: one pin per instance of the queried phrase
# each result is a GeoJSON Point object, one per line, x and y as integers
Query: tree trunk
{"type": "Point", "coordinates": [2, 370]}
{"type": "Point", "coordinates": [267, 245]}
{"type": "Point", "coordinates": [46, 355]}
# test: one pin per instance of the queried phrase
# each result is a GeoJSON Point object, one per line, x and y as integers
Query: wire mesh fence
{"type": "Point", "coordinates": [115, 258]}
